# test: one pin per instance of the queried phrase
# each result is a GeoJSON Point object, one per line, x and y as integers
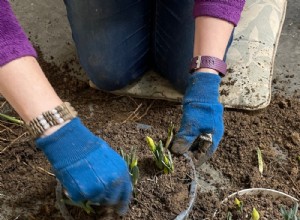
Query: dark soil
{"type": "Point", "coordinates": [30, 191]}
{"type": "Point", "coordinates": [275, 130]}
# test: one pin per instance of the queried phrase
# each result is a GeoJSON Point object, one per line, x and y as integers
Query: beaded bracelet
{"type": "Point", "coordinates": [50, 118]}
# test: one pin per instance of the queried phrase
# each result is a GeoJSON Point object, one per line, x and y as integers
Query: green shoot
{"type": "Point", "coordinates": [239, 204]}
{"type": "Point", "coordinates": [132, 163]}
{"type": "Point", "coordinates": [11, 119]}
{"type": "Point", "coordinates": [229, 216]}
{"type": "Point", "coordinates": [162, 159]}
{"type": "Point", "coordinates": [86, 206]}
{"type": "Point", "coordinates": [298, 158]}
{"type": "Point", "coordinates": [290, 214]}
{"type": "Point", "coordinates": [260, 161]}
{"type": "Point", "coordinates": [170, 136]}
{"type": "Point", "coordinates": [255, 214]}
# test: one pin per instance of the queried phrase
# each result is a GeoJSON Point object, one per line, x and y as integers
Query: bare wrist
{"type": "Point", "coordinates": [54, 129]}
{"type": "Point", "coordinates": [208, 70]}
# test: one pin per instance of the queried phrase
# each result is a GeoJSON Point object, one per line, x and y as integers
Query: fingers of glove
{"type": "Point", "coordinates": [113, 193]}
{"type": "Point", "coordinates": [110, 169]}
{"type": "Point", "coordinates": [89, 184]}
{"type": "Point", "coordinates": [187, 135]}
{"type": "Point", "coordinates": [70, 186]}
{"type": "Point", "coordinates": [125, 198]}
{"type": "Point", "coordinates": [181, 144]}
{"type": "Point", "coordinates": [217, 137]}
{"type": "Point", "coordinates": [196, 119]}
{"type": "Point", "coordinates": [93, 174]}
{"type": "Point", "coordinates": [113, 173]}
{"type": "Point", "coordinates": [120, 197]}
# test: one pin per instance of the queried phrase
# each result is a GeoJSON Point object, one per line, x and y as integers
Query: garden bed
{"type": "Point", "coordinates": [27, 188]}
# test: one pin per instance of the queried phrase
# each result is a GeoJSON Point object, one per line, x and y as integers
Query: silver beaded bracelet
{"type": "Point", "coordinates": [50, 118]}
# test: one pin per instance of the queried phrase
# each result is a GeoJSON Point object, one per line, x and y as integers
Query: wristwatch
{"type": "Point", "coordinates": [208, 62]}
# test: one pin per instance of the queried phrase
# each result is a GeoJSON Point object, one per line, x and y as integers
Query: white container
{"type": "Point", "coordinates": [259, 191]}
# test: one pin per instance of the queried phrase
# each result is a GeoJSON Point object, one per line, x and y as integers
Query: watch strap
{"type": "Point", "coordinates": [208, 62]}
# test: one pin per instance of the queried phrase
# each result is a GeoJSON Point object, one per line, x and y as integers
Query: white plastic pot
{"type": "Point", "coordinates": [259, 191]}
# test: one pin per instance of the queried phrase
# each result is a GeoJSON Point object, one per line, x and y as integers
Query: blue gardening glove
{"type": "Point", "coordinates": [87, 167]}
{"type": "Point", "coordinates": [202, 114]}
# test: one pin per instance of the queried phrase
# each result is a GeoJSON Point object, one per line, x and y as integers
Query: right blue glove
{"type": "Point", "coordinates": [202, 115]}
{"type": "Point", "coordinates": [87, 167]}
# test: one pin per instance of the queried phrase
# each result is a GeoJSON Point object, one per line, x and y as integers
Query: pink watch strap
{"type": "Point", "coordinates": [208, 62]}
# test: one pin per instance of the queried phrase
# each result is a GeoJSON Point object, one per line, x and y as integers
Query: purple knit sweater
{"type": "Point", "coordinates": [14, 43]}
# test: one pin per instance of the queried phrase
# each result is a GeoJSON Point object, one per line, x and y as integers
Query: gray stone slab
{"type": "Point", "coordinates": [286, 79]}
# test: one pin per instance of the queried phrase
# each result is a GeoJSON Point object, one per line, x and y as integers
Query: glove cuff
{"type": "Point", "coordinates": [68, 144]}
{"type": "Point", "coordinates": [203, 87]}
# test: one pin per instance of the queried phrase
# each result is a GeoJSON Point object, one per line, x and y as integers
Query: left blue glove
{"type": "Point", "coordinates": [202, 113]}
{"type": "Point", "coordinates": [87, 167]}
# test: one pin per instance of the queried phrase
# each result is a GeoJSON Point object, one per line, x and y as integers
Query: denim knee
{"type": "Point", "coordinates": [112, 39]}
{"type": "Point", "coordinates": [110, 76]}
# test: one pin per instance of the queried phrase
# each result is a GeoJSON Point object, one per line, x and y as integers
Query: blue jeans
{"type": "Point", "coordinates": [119, 40]}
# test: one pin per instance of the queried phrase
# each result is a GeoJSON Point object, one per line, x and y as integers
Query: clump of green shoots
{"type": "Point", "coordinates": [161, 154]}
{"type": "Point", "coordinates": [290, 214]}
{"type": "Point", "coordinates": [132, 163]}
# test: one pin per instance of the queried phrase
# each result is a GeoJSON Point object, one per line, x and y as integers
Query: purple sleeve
{"type": "Point", "coordinates": [229, 10]}
{"type": "Point", "coordinates": [13, 41]}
